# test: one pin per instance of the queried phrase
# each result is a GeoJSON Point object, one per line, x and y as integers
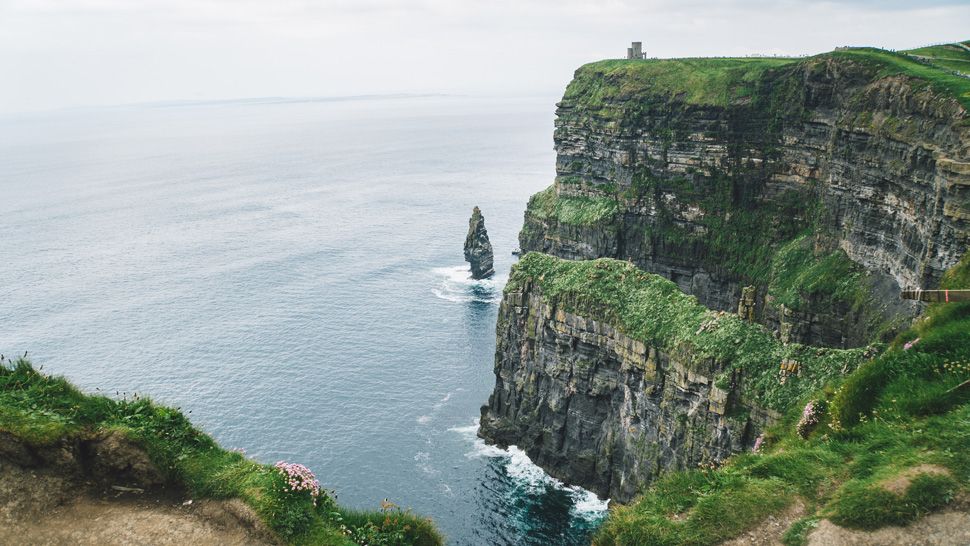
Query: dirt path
{"type": "Point", "coordinates": [770, 531]}
{"type": "Point", "coordinates": [45, 509]}
{"type": "Point", "coordinates": [941, 529]}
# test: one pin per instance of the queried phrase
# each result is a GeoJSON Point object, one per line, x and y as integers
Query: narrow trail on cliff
{"type": "Point", "coordinates": [40, 508]}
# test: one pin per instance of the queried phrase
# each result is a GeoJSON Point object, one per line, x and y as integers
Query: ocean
{"type": "Point", "coordinates": [290, 274]}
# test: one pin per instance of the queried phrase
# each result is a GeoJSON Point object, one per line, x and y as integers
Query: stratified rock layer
{"type": "Point", "coordinates": [478, 250]}
{"type": "Point", "coordinates": [595, 407]}
{"type": "Point", "coordinates": [825, 186]}
{"type": "Point", "coordinates": [875, 169]}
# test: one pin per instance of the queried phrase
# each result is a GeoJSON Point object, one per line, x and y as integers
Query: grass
{"type": "Point", "coordinates": [695, 507]}
{"type": "Point", "coordinates": [946, 57]}
{"type": "Point", "coordinates": [714, 82]}
{"type": "Point", "coordinates": [606, 85]}
{"type": "Point", "coordinates": [797, 274]}
{"type": "Point", "coordinates": [577, 211]}
{"type": "Point", "coordinates": [652, 309]}
{"type": "Point", "coordinates": [887, 63]}
{"type": "Point", "coordinates": [886, 418]}
{"type": "Point", "coordinates": [43, 410]}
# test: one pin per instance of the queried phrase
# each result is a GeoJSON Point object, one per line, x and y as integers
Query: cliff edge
{"type": "Point", "coordinates": [827, 183]}
{"type": "Point", "coordinates": [708, 326]}
{"type": "Point", "coordinates": [82, 469]}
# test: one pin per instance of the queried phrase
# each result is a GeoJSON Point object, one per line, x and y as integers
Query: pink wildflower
{"type": "Point", "coordinates": [757, 443]}
{"type": "Point", "coordinates": [299, 478]}
{"type": "Point", "coordinates": [810, 417]}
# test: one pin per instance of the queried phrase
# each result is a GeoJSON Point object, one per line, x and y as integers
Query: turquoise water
{"type": "Point", "coordinates": [291, 274]}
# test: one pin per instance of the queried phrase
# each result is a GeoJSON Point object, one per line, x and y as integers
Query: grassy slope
{"type": "Point", "coordinates": [577, 211]}
{"type": "Point", "coordinates": [44, 410]}
{"type": "Point", "coordinates": [946, 57]}
{"type": "Point", "coordinates": [716, 81]}
{"type": "Point", "coordinates": [652, 309]}
{"type": "Point", "coordinates": [939, 78]}
{"type": "Point", "coordinates": [895, 412]}
{"type": "Point", "coordinates": [720, 81]}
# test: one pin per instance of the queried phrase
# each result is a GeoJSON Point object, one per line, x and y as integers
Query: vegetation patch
{"type": "Point", "coordinates": [714, 81]}
{"type": "Point", "coordinates": [652, 309]}
{"type": "Point", "coordinates": [937, 76]}
{"type": "Point", "coordinates": [797, 275]}
{"type": "Point", "coordinates": [890, 449]}
{"type": "Point", "coordinates": [694, 507]}
{"type": "Point", "coordinates": [42, 411]}
{"type": "Point", "coordinates": [578, 211]}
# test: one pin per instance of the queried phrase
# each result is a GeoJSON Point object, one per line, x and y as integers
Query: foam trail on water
{"type": "Point", "coordinates": [518, 465]}
{"type": "Point", "coordinates": [587, 505]}
{"type": "Point", "coordinates": [457, 285]}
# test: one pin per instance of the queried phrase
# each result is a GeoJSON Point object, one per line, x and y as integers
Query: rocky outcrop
{"type": "Point", "coordinates": [594, 407]}
{"type": "Point", "coordinates": [478, 250]}
{"type": "Point", "coordinates": [105, 458]}
{"type": "Point", "coordinates": [792, 198]}
{"type": "Point", "coordinates": [103, 488]}
{"type": "Point", "coordinates": [704, 191]}
{"type": "Point", "coordinates": [620, 378]}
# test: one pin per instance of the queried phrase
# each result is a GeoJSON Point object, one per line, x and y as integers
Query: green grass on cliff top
{"type": "Point", "coordinates": [720, 81]}
{"type": "Point", "coordinates": [715, 81]}
{"type": "Point", "coordinates": [901, 414]}
{"type": "Point", "coordinates": [652, 309]}
{"type": "Point", "coordinates": [42, 410]}
{"type": "Point", "coordinates": [579, 211]}
{"type": "Point", "coordinates": [938, 76]}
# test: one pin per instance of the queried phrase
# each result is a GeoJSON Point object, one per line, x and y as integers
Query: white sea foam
{"type": "Point", "coordinates": [479, 447]}
{"type": "Point", "coordinates": [423, 462]}
{"type": "Point", "coordinates": [520, 468]}
{"type": "Point", "coordinates": [587, 505]}
{"type": "Point", "coordinates": [424, 419]}
{"type": "Point", "coordinates": [437, 406]}
{"type": "Point", "coordinates": [457, 285]}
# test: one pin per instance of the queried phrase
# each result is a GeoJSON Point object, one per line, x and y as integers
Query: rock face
{"type": "Point", "coordinates": [705, 191]}
{"type": "Point", "coordinates": [801, 196]}
{"type": "Point", "coordinates": [595, 407]}
{"type": "Point", "coordinates": [478, 250]}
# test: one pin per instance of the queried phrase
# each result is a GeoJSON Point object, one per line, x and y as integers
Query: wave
{"type": "Point", "coordinates": [456, 285]}
{"type": "Point", "coordinates": [586, 505]}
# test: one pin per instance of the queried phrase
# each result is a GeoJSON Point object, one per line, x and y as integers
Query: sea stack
{"type": "Point", "coordinates": [478, 251]}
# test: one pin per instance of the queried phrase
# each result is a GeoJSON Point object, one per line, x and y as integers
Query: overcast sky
{"type": "Point", "coordinates": [61, 53]}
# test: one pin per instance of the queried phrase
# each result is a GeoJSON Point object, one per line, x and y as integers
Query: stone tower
{"type": "Point", "coordinates": [635, 51]}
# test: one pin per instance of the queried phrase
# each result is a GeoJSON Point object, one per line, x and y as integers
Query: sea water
{"type": "Point", "coordinates": [290, 273]}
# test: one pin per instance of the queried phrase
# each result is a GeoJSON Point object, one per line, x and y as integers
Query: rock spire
{"type": "Point", "coordinates": [478, 251]}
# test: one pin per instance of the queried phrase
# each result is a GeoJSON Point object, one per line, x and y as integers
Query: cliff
{"type": "Point", "coordinates": [874, 458]}
{"type": "Point", "coordinates": [724, 243]}
{"type": "Point", "coordinates": [608, 376]}
{"type": "Point", "coordinates": [67, 457]}
{"type": "Point", "coordinates": [827, 183]}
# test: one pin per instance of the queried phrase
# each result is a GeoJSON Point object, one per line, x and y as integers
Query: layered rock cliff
{"type": "Point", "coordinates": [608, 376]}
{"type": "Point", "coordinates": [722, 173]}
{"type": "Point", "coordinates": [792, 198]}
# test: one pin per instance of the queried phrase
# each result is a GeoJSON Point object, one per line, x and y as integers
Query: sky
{"type": "Point", "coordinates": [69, 53]}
